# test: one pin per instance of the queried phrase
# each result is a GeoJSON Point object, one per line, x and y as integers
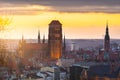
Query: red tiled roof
{"type": "Point", "coordinates": [35, 46]}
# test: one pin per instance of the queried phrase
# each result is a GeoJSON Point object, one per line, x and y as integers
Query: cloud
{"type": "Point", "coordinates": [102, 6]}
{"type": "Point", "coordinates": [24, 9]}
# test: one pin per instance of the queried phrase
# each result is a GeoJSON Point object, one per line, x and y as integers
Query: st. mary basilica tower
{"type": "Point", "coordinates": [55, 39]}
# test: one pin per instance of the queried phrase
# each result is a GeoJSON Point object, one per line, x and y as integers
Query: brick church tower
{"type": "Point", "coordinates": [55, 39]}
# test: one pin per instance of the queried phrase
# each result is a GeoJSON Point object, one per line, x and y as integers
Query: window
{"type": "Point", "coordinates": [57, 35]}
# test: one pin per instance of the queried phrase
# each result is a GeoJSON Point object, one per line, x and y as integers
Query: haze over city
{"type": "Point", "coordinates": [59, 40]}
{"type": "Point", "coordinates": [81, 19]}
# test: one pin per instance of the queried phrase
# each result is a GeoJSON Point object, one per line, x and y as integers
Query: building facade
{"type": "Point", "coordinates": [55, 39]}
{"type": "Point", "coordinates": [41, 50]}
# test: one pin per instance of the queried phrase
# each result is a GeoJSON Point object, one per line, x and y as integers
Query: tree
{"type": "Point", "coordinates": [4, 22]}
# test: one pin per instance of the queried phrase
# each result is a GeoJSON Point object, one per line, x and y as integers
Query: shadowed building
{"type": "Point", "coordinates": [94, 71]}
{"type": "Point", "coordinates": [107, 44]}
{"type": "Point", "coordinates": [64, 47]}
{"type": "Point", "coordinates": [55, 39]}
{"type": "Point", "coordinates": [107, 40]}
{"type": "Point", "coordinates": [39, 36]}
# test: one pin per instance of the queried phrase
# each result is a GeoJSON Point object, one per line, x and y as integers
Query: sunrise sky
{"type": "Point", "coordinates": [81, 19]}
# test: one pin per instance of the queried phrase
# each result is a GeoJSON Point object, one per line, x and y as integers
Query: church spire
{"type": "Point", "coordinates": [22, 37]}
{"type": "Point", "coordinates": [64, 43]}
{"type": "Point", "coordinates": [23, 41]}
{"type": "Point", "coordinates": [107, 39]}
{"type": "Point", "coordinates": [38, 36]}
{"type": "Point", "coordinates": [107, 30]}
{"type": "Point", "coordinates": [43, 39]}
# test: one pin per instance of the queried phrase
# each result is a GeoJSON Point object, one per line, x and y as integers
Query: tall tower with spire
{"type": "Point", "coordinates": [107, 39]}
{"type": "Point", "coordinates": [38, 36]}
{"type": "Point", "coordinates": [55, 39]}
{"type": "Point", "coordinates": [64, 46]}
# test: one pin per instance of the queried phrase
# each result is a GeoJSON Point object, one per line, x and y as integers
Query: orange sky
{"type": "Point", "coordinates": [76, 25]}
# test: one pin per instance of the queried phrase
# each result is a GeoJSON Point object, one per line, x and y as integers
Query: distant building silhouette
{"type": "Point", "coordinates": [107, 40]}
{"type": "Point", "coordinates": [55, 39]}
{"type": "Point", "coordinates": [43, 41]}
{"type": "Point", "coordinates": [64, 46]}
{"type": "Point", "coordinates": [105, 54]}
{"type": "Point", "coordinates": [39, 36]}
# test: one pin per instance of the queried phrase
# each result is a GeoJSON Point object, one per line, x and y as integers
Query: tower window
{"type": "Point", "coordinates": [57, 35]}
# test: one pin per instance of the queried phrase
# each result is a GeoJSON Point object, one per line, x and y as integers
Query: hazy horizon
{"type": "Point", "coordinates": [47, 39]}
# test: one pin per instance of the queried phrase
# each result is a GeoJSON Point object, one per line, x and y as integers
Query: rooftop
{"type": "Point", "coordinates": [55, 22]}
{"type": "Point", "coordinates": [86, 64]}
{"type": "Point", "coordinates": [35, 46]}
